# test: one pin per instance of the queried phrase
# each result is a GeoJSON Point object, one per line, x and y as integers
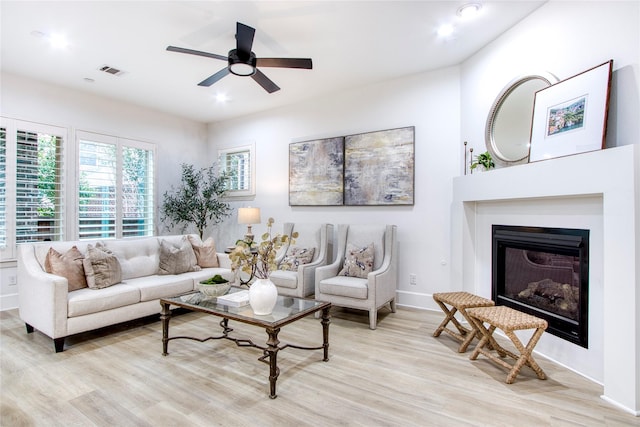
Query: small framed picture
{"type": "Point", "coordinates": [570, 117]}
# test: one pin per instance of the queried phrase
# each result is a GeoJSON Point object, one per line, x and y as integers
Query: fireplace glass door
{"type": "Point", "coordinates": [544, 272]}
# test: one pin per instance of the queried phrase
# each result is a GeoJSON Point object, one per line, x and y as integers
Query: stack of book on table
{"type": "Point", "coordinates": [235, 299]}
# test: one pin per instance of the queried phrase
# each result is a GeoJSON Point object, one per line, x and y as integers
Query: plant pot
{"type": "Point", "coordinates": [214, 289]}
{"type": "Point", "coordinates": [262, 296]}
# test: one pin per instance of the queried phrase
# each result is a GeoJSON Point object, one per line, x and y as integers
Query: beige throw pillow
{"type": "Point", "coordinates": [295, 257]}
{"type": "Point", "coordinates": [68, 265]}
{"type": "Point", "coordinates": [101, 267]}
{"type": "Point", "coordinates": [177, 259]}
{"type": "Point", "coordinates": [358, 262]}
{"type": "Point", "coordinates": [205, 251]}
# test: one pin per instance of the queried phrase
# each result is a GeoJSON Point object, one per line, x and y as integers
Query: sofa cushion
{"type": "Point", "coordinates": [101, 267]}
{"type": "Point", "coordinates": [205, 251]}
{"type": "Point", "coordinates": [296, 256]}
{"type": "Point", "coordinates": [176, 259]}
{"type": "Point", "coordinates": [67, 265]}
{"type": "Point", "coordinates": [156, 286]}
{"type": "Point", "coordinates": [87, 301]}
{"type": "Point", "coordinates": [351, 287]}
{"type": "Point", "coordinates": [137, 257]}
{"type": "Point", "coordinates": [358, 261]}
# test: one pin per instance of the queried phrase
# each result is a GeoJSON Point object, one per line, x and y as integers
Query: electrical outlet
{"type": "Point", "coordinates": [12, 280]}
{"type": "Point", "coordinates": [413, 279]}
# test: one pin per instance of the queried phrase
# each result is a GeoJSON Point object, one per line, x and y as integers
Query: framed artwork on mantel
{"type": "Point", "coordinates": [570, 117]}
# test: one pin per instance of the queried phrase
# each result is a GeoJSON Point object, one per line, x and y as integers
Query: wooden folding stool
{"type": "Point", "coordinates": [460, 302]}
{"type": "Point", "coordinates": [508, 320]}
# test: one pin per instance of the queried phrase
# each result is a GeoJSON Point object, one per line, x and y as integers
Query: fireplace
{"type": "Point", "coordinates": [544, 272]}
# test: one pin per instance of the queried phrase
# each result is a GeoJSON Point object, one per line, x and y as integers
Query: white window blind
{"type": "Point", "coordinates": [116, 187]}
{"type": "Point", "coordinates": [39, 187]}
{"type": "Point", "coordinates": [97, 190]}
{"type": "Point", "coordinates": [240, 163]}
{"type": "Point", "coordinates": [137, 192]}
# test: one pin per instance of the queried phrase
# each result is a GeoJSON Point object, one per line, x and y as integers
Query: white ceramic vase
{"type": "Point", "coordinates": [262, 296]}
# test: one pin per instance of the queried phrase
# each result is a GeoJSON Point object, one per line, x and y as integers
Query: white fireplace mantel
{"type": "Point", "coordinates": [612, 175]}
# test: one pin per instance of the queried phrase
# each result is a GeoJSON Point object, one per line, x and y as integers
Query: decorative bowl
{"type": "Point", "coordinates": [214, 289]}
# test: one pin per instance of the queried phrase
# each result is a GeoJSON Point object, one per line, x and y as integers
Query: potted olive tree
{"type": "Point", "coordinates": [197, 200]}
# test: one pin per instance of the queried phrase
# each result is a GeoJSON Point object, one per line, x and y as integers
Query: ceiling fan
{"type": "Point", "coordinates": [243, 62]}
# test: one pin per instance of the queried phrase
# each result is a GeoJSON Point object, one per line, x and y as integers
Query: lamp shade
{"type": "Point", "coordinates": [248, 215]}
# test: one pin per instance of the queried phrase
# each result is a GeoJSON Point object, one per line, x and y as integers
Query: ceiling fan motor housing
{"type": "Point", "coordinates": [242, 66]}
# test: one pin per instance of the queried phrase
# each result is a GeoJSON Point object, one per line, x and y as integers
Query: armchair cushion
{"type": "Point", "coordinates": [67, 265]}
{"type": "Point", "coordinates": [342, 286]}
{"type": "Point", "coordinates": [296, 256]}
{"type": "Point", "coordinates": [101, 267]}
{"type": "Point", "coordinates": [177, 259]}
{"type": "Point", "coordinates": [358, 261]}
{"type": "Point", "coordinates": [284, 278]}
{"type": "Point", "coordinates": [205, 251]}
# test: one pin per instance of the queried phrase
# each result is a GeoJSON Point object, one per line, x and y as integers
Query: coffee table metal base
{"type": "Point", "coordinates": [270, 350]}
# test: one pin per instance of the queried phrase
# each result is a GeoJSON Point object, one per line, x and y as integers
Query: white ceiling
{"type": "Point", "coordinates": [352, 43]}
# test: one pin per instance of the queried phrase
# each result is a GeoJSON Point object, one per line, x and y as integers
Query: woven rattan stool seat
{"type": "Point", "coordinates": [508, 320]}
{"type": "Point", "coordinates": [459, 302]}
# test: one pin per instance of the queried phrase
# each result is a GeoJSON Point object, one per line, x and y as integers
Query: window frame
{"type": "Point", "coordinates": [12, 126]}
{"type": "Point", "coordinates": [223, 154]}
{"type": "Point", "coordinates": [119, 143]}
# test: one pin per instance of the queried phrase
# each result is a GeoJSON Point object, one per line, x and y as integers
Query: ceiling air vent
{"type": "Point", "coordinates": [111, 70]}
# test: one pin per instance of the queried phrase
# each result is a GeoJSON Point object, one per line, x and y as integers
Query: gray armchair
{"type": "Point", "coordinates": [373, 289]}
{"type": "Point", "coordinates": [300, 281]}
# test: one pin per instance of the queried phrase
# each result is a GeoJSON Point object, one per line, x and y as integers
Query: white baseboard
{"type": "Point", "coordinates": [8, 302]}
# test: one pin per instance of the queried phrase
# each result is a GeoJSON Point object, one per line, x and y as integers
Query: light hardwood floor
{"type": "Point", "coordinates": [397, 375]}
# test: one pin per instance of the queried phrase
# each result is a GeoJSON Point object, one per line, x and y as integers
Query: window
{"type": "Point", "coordinates": [32, 183]}
{"type": "Point", "coordinates": [38, 187]}
{"type": "Point", "coordinates": [240, 162]}
{"type": "Point", "coordinates": [115, 187]}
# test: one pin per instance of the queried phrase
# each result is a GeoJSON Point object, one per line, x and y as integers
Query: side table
{"type": "Point", "coordinates": [460, 302]}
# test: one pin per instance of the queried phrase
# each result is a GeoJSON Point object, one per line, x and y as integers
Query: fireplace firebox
{"type": "Point", "coordinates": [544, 272]}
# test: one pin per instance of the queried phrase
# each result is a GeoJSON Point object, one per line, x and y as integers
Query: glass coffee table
{"type": "Point", "coordinates": [287, 310]}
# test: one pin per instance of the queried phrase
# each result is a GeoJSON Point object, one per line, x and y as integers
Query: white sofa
{"type": "Point", "coordinates": [46, 304]}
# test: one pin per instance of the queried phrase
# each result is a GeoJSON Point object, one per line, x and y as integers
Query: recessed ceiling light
{"type": "Point", "coordinates": [221, 98]}
{"type": "Point", "coordinates": [469, 10]}
{"type": "Point", "coordinates": [58, 41]}
{"type": "Point", "coordinates": [445, 30]}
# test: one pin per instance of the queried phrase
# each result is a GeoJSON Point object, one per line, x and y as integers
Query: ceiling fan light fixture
{"type": "Point", "coordinates": [240, 67]}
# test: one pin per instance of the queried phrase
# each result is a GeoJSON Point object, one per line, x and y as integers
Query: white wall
{"type": "Point", "coordinates": [178, 140]}
{"type": "Point", "coordinates": [428, 101]}
{"type": "Point", "coordinates": [563, 38]}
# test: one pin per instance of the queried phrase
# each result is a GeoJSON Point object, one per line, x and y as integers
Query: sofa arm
{"type": "Point", "coordinates": [42, 297]}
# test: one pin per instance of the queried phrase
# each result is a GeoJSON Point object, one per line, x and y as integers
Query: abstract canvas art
{"type": "Point", "coordinates": [379, 168]}
{"type": "Point", "coordinates": [316, 172]}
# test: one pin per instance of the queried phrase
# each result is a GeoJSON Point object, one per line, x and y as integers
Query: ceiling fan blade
{"type": "Point", "coordinates": [265, 82]}
{"type": "Point", "coordinates": [244, 39]}
{"type": "Point", "coordinates": [285, 62]}
{"type": "Point", "coordinates": [214, 78]}
{"type": "Point", "coordinates": [196, 52]}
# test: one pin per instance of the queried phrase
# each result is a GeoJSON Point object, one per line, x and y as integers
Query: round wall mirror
{"type": "Point", "coordinates": [509, 121]}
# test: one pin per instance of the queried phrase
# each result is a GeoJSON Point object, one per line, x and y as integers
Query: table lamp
{"type": "Point", "coordinates": [249, 216]}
